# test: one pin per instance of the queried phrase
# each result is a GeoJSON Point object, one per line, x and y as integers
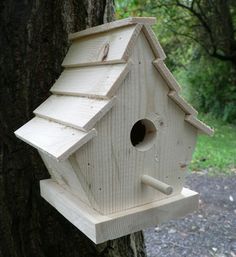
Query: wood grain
{"type": "Point", "coordinates": [111, 166]}
{"type": "Point", "coordinates": [90, 50]}
{"type": "Point", "coordinates": [77, 112]}
{"type": "Point", "coordinates": [100, 228]}
{"type": "Point", "coordinates": [62, 172]}
{"type": "Point", "coordinates": [93, 81]}
{"type": "Point", "coordinates": [53, 138]}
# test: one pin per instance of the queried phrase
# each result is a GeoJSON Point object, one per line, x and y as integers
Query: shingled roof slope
{"type": "Point", "coordinates": [95, 65]}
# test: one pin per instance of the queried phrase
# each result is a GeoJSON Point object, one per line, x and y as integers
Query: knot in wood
{"type": "Point", "coordinates": [105, 51]}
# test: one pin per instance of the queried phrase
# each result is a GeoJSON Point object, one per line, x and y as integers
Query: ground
{"type": "Point", "coordinates": [211, 231]}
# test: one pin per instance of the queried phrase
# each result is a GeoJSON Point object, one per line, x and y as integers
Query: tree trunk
{"type": "Point", "coordinates": [33, 44]}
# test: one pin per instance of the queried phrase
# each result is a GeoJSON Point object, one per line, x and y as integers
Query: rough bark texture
{"type": "Point", "coordinates": [33, 44]}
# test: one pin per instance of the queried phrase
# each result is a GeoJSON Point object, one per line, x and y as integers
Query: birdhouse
{"type": "Point", "coordinates": [115, 135]}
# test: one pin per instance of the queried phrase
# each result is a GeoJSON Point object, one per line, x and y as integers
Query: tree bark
{"type": "Point", "coordinates": [33, 44]}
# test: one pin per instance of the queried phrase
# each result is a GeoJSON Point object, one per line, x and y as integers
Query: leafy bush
{"type": "Point", "coordinates": [211, 87]}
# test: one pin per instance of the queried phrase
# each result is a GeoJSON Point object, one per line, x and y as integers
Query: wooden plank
{"type": "Point", "coordinates": [113, 25]}
{"type": "Point", "coordinates": [167, 75]}
{"type": "Point", "coordinates": [73, 111]}
{"type": "Point", "coordinates": [105, 48]}
{"type": "Point", "coordinates": [202, 127]}
{"type": "Point", "coordinates": [53, 138]}
{"type": "Point", "coordinates": [94, 81]}
{"type": "Point", "coordinates": [186, 107]}
{"type": "Point", "coordinates": [154, 43]}
{"type": "Point", "coordinates": [100, 228]}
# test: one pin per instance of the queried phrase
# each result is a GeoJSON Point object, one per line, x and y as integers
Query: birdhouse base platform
{"type": "Point", "coordinates": [100, 228]}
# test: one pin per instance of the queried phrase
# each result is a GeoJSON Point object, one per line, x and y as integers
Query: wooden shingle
{"type": "Point", "coordinates": [52, 138]}
{"type": "Point", "coordinates": [93, 81]}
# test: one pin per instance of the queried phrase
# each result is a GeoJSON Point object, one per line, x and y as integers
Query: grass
{"type": "Point", "coordinates": [216, 154]}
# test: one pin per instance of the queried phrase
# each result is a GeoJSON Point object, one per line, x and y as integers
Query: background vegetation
{"type": "Point", "coordinates": [198, 37]}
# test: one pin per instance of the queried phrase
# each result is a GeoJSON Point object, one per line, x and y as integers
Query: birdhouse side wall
{"type": "Point", "coordinates": [109, 167]}
{"type": "Point", "coordinates": [63, 173]}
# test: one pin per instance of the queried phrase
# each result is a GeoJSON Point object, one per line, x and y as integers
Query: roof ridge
{"type": "Point", "coordinates": [113, 25]}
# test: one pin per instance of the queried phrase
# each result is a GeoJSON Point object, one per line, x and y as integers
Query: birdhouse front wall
{"type": "Point", "coordinates": [109, 167]}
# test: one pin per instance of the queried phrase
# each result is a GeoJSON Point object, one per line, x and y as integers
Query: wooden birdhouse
{"type": "Point", "coordinates": [115, 135]}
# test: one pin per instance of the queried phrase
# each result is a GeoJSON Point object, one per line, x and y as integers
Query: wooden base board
{"type": "Point", "coordinates": [100, 228]}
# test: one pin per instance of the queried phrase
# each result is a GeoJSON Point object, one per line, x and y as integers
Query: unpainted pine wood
{"type": "Point", "coordinates": [149, 215]}
{"type": "Point", "coordinates": [113, 25]}
{"type": "Point", "coordinates": [61, 200]}
{"type": "Point", "coordinates": [112, 166]}
{"type": "Point", "coordinates": [131, 43]}
{"type": "Point", "coordinates": [154, 43]}
{"type": "Point", "coordinates": [100, 228]}
{"type": "Point", "coordinates": [167, 75]}
{"type": "Point", "coordinates": [104, 48]}
{"type": "Point", "coordinates": [53, 138]}
{"type": "Point", "coordinates": [186, 107]}
{"type": "Point", "coordinates": [62, 173]}
{"type": "Point", "coordinates": [157, 184]}
{"type": "Point", "coordinates": [94, 81]}
{"type": "Point", "coordinates": [77, 112]}
{"type": "Point", "coordinates": [203, 128]}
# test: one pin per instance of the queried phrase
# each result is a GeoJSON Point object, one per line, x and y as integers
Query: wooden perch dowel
{"type": "Point", "coordinates": [157, 184]}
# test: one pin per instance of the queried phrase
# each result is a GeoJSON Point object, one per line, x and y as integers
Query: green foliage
{"type": "Point", "coordinates": [210, 86]}
{"type": "Point", "coordinates": [216, 154]}
{"type": "Point", "coordinates": [126, 8]}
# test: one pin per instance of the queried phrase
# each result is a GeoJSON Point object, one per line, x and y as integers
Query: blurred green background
{"type": "Point", "coordinates": [198, 37]}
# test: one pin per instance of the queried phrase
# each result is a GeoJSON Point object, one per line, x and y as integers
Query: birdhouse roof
{"type": "Point", "coordinates": [95, 65]}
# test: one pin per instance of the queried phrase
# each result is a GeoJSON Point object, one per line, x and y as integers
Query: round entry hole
{"type": "Point", "coordinates": [142, 134]}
